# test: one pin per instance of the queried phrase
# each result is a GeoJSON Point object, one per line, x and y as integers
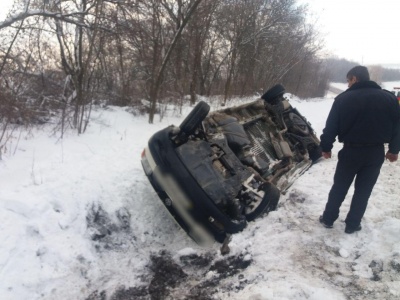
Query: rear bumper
{"type": "Point", "coordinates": [183, 197]}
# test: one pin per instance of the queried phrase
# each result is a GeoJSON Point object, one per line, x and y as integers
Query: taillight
{"type": "Point", "coordinates": [145, 163]}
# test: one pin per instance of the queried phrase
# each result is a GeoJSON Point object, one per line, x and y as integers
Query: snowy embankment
{"type": "Point", "coordinates": [79, 220]}
{"type": "Point", "coordinates": [340, 87]}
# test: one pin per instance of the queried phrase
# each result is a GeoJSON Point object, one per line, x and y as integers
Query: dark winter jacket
{"type": "Point", "coordinates": [366, 115]}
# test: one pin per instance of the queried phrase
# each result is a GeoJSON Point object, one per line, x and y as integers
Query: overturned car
{"type": "Point", "coordinates": [219, 170]}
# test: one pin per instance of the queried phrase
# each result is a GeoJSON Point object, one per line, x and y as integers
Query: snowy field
{"type": "Point", "coordinates": [385, 85]}
{"type": "Point", "coordinates": [79, 220]}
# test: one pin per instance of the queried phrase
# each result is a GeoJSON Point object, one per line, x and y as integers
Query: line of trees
{"type": "Point", "coordinates": [66, 55]}
{"type": "Point", "coordinates": [338, 68]}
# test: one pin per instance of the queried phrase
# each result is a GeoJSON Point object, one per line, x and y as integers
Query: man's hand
{"type": "Point", "coordinates": [391, 157]}
{"type": "Point", "coordinates": [327, 154]}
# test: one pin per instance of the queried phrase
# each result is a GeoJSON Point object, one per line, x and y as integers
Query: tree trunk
{"type": "Point", "coordinates": [158, 79]}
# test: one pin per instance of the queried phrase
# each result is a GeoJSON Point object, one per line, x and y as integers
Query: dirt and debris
{"type": "Point", "coordinates": [167, 275]}
{"type": "Point", "coordinates": [187, 277]}
{"type": "Point", "coordinates": [107, 231]}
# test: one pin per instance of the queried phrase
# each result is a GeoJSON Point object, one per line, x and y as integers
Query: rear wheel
{"type": "Point", "coordinates": [194, 118]}
{"type": "Point", "coordinates": [267, 204]}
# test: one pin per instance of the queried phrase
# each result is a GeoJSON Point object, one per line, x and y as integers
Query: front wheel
{"type": "Point", "coordinates": [273, 93]}
{"type": "Point", "coordinates": [315, 153]}
{"type": "Point", "coordinates": [296, 124]}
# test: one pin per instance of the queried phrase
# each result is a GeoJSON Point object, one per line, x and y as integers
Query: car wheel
{"type": "Point", "coordinates": [275, 92]}
{"type": "Point", "coordinates": [315, 153]}
{"type": "Point", "coordinates": [194, 118]}
{"type": "Point", "coordinates": [268, 203]}
{"type": "Point", "coordinates": [296, 124]}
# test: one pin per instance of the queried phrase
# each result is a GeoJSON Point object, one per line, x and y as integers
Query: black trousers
{"type": "Point", "coordinates": [363, 164]}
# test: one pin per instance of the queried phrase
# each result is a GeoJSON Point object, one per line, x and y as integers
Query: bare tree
{"type": "Point", "coordinates": [79, 56]}
{"type": "Point", "coordinates": [376, 73]}
{"type": "Point", "coordinates": [159, 72]}
{"type": "Point", "coordinates": [123, 52]}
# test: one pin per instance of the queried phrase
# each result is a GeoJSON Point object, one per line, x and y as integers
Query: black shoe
{"type": "Point", "coordinates": [323, 222]}
{"type": "Point", "coordinates": [352, 229]}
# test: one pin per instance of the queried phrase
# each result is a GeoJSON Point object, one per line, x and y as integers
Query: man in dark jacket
{"type": "Point", "coordinates": [364, 117]}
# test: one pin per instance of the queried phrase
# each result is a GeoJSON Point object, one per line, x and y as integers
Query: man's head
{"type": "Point", "coordinates": [357, 74]}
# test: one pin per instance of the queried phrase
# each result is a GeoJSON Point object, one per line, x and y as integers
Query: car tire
{"type": "Point", "coordinates": [273, 93]}
{"type": "Point", "coordinates": [315, 153]}
{"type": "Point", "coordinates": [194, 118]}
{"type": "Point", "coordinates": [296, 124]}
{"type": "Point", "coordinates": [268, 203]}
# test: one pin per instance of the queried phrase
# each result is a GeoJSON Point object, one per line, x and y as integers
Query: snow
{"type": "Point", "coordinates": [54, 192]}
{"type": "Point", "coordinates": [389, 85]}
{"type": "Point", "coordinates": [339, 85]}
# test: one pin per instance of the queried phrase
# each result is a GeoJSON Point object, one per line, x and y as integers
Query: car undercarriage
{"type": "Point", "coordinates": [219, 170]}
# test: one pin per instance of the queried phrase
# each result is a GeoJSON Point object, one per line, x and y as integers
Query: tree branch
{"type": "Point", "coordinates": [68, 18]}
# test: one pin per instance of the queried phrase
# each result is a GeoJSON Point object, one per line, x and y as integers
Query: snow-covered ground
{"type": "Point", "coordinates": [389, 85]}
{"type": "Point", "coordinates": [79, 220]}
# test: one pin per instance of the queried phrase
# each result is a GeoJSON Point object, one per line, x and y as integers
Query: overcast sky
{"type": "Point", "coordinates": [366, 31]}
{"type": "Point", "coordinates": [5, 7]}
